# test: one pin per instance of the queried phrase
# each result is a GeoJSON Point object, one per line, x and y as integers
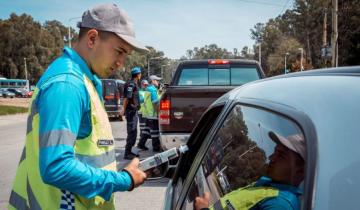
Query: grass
{"type": "Point", "coordinates": [5, 110]}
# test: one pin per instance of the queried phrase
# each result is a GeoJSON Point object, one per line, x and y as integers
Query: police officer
{"type": "Point", "coordinates": [144, 129]}
{"type": "Point", "coordinates": [131, 107]}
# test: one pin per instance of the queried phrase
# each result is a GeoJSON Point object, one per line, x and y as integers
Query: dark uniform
{"type": "Point", "coordinates": [131, 92]}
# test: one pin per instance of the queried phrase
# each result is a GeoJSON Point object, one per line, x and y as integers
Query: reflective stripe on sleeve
{"type": "Point", "coordinates": [58, 137]}
{"type": "Point", "coordinates": [97, 161]}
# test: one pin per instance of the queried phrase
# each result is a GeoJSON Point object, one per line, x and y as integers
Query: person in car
{"type": "Point", "coordinates": [278, 189]}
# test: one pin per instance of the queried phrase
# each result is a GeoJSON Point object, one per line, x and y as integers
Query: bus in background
{"type": "Point", "coordinates": [14, 83]}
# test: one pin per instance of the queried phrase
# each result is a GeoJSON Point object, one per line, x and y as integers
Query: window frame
{"type": "Point", "coordinates": [299, 118]}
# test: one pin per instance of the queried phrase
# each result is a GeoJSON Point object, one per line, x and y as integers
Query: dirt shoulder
{"type": "Point", "coordinates": [20, 102]}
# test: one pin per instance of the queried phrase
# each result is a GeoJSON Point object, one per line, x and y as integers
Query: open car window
{"type": "Point", "coordinates": [253, 150]}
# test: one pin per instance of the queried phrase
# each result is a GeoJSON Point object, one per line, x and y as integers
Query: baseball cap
{"type": "Point", "coordinates": [294, 142]}
{"type": "Point", "coordinates": [144, 82]}
{"type": "Point", "coordinates": [136, 70]}
{"type": "Point", "coordinates": [154, 77]}
{"type": "Point", "coordinates": [108, 17]}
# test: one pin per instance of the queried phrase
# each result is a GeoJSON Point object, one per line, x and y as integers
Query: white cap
{"type": "Point", "coordinates": [154, 77]}
{"type": "Point", "coordinates": [144, 82]}
{"type": "Point", "coordinates": [294, 142]}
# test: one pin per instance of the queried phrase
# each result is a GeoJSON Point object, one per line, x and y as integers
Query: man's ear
{"type": "Point", "coordinates": [92, 37]}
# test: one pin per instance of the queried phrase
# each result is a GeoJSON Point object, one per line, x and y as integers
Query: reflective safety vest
{"type": "Point", "coordinates": [30, 192]}
{"type": "Point", "coordinates": [151, 112]}
{"type": "Point", "coordinates": [142, 96]}
{"type": "Point", "coordinates": [247, 197]}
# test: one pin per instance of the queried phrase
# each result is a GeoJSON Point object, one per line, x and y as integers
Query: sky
{"type": "Point", "coordinates": [171, 26]}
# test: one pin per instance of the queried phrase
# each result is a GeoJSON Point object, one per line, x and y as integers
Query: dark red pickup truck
{"type": "Point", "coordinates": [194, 86]}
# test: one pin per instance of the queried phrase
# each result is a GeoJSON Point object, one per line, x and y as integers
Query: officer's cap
{"type": "Point", "coordinates": [135, 70]}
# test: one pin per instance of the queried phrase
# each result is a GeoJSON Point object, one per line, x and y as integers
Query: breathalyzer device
{"type": "Point", "coordinates": [160, 158]}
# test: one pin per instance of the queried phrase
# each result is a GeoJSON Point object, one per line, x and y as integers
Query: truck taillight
{"type": "Point", "coordinates": [109, 97]}
{"type": "Point", "coordinates": [218, 61]}
{"type": "Point", "coordinates": [164, 112]}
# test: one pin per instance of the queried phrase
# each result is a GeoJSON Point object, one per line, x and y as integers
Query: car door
{"type": "Point", "coordinates": [238, 154]}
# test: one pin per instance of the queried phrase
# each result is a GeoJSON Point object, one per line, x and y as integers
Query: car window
{"type": "Point", "coordinates": [193, 77]}
{"type": "Point", "coordinates": [219, 77]}
{"type": "Point", "coordinates": [109, 88]}
{"type": "Point", "coordinates": [240, 76]}
{"type": "Point", "coordinates": [255, 155]}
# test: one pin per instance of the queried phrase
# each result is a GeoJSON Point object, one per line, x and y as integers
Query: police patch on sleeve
{"type": "Point", "coordinates": [105, 142]}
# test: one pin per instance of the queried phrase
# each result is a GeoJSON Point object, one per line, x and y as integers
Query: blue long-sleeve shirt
{"type": "Point", "coordinates": [154, 94]}
{"type": "Point", "coordinates": [63, 104]}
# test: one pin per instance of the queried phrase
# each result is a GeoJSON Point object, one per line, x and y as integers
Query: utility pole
{"type": "Point", "coordinates": [69, 29]}
{"type": "Point", "coordinates": [301, 59]}
{"type": "Point", "coordinates": [25, 68]}
{"type": "Point", "coordinates": [325, 28]}
{"type": "Point", "coordinates": [69, 36]}
{"type": "Point", "coordinates": [260, 53]}
{"type": "Point", "coordinates": [286, 54]}
{"type": "Point", "coordinates": [334, 44]}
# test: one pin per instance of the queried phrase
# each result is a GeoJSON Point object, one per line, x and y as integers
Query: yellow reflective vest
{"type": "Point", "coordinates": [244, 198]}
{"type": "Point", "coordinates": [30, 192]}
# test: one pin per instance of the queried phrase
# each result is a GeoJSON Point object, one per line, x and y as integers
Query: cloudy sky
{"type": "Point", "coordinates": [171, 26]}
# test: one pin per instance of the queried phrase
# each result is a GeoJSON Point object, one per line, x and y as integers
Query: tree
{"type": "Point", "coordinates": [22, 37]}
{"type": "Point", "coordinates": [211, 51]}
{"type": "Point", "coordinates": [276, 60]}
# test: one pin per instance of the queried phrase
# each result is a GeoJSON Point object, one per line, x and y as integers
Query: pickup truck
{"type": "Point", "coordinates": [195, 85]}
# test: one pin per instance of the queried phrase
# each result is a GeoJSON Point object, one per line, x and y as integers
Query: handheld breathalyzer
{"type": "Point", "coordinates": [160, 158]}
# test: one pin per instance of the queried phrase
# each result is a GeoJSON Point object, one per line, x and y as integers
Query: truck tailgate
{"type": "Point", "coordinates": [188, 104]}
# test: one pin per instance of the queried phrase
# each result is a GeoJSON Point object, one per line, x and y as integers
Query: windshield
{"type": "Point", "coordinates": [232, 76]}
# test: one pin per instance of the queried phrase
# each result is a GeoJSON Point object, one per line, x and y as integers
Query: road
{"type": "Point", "coordinates": [149, 196]}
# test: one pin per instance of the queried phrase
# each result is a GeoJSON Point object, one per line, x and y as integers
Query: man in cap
{"type": "Point", "coordinates": [144, 129]}
{"type": "Point", "coordinates": [131, 107]}
{"type": "Point", "coordinates": [278, 189]}
{"type": "Point", "coordinates": [152, 118]}
{"type": "Point", "coordinates": [69, 157]}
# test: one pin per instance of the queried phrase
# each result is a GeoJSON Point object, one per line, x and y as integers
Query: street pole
{"type": "Point", "coordinates": [69, 29]}
{"type": "Point", "coordinates": [301, 59]}
{"type": "Point", "coordinates": [148, 73]}
{"type": "Point", "coordinates": [334, 44]}
{"type": "Point", "coordinates": [260, 53]}
{"type": "Point", "coordinates": [286, 54]}
{"type": "Point", "coordinates": [25, 67]}
{"type": "Point", "coordinates": [285, 65]}
{"type": "Point", "coordinates": [69, 36]}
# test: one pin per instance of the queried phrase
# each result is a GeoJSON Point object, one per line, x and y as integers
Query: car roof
{"type": "Point", "coordinates": [290, 88]}
{"type": "Point", "coordinates": [205, 61]}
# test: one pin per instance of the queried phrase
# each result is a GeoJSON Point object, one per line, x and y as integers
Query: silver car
{"type": "Point", "coordinates": [6, 94]}
{"type": "Point", "coordinates": [315, 114]}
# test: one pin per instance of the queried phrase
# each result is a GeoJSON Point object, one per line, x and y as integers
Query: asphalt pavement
{"type": "Point", "coordinates": [149, 196]}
